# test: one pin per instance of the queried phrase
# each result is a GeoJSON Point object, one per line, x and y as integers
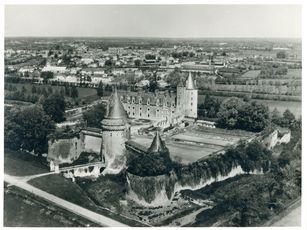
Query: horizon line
{"type": "Point", "coordinates": [145, 37]}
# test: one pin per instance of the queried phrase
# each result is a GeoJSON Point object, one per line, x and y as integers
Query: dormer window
{"type": "Point", "coordinates": [148, 101]}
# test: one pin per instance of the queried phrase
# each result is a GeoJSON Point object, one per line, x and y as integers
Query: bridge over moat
{"type": "Point", "coordinates": [90, 169]}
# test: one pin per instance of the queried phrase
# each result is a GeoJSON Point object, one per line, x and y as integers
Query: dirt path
{"type": "Point", "coordinates": [290, 217]}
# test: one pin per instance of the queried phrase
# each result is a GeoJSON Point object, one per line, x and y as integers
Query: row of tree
{"type": "Point", "coordinates": [235, 113]}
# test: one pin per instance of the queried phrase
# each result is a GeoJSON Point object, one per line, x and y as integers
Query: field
{"type": "Point", "coordinates": [250, 74]}
{"type": "Point", "coordinates": [62, 188]}
{"type": "Point", "coordinates": [22, 164]}
{"type": "Point", "coordinates": [294, 73]}
{"type": "Point", "coordinates": [195, 144]}
{"type": "Point", "coordinates": [32, 211]}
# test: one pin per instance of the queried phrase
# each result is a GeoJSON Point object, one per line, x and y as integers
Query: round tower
{"type": "Point", "coordinates": [191, 96]}
{"type": "Point", "coordinates": [115, 132]}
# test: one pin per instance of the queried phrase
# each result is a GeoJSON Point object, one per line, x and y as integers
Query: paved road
{"type": "Point", "coordinates": [90, 215]}
{"type": "Point", "coordinates": [293, 219]}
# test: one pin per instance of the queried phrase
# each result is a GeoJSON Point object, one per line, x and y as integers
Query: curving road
{"type": "Point", "coordinates": [21, 182]}
{"type": "Point", "coordinates": [293, 219]}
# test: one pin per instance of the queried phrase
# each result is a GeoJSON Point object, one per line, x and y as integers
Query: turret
{"type": "Point", "coordinates": [191, 97]}
{"type": "Point", "coordinates": [115, 132]}
{"type": "Point", "coordinates": [157, 145]}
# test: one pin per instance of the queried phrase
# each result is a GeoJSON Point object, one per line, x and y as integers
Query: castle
{"type": "Point", "coordinates": [109, 141]}
{"type": "Point", "coordinates": [170, 108]}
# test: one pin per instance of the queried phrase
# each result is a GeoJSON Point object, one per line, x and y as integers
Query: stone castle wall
{"type": "Point", "coordinates": [65, 150]}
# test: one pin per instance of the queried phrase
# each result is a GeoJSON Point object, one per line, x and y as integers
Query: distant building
{"type": "Point", "coordinates": [54, 69]}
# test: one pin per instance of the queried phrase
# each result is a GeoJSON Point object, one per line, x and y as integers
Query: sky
{"type": "Point", "coordinates": [167, 21]}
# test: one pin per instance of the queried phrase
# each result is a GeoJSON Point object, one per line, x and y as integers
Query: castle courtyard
{"type": "Point", "coordinates": [197, 143]}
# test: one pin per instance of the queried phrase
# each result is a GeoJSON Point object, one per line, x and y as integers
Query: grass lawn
{"type": "Point", "coordinates": [32, 211]}
{"type": "Point", "coordinates": [22, 164]}
{"type": "Point", "coordinates": [62, 188]}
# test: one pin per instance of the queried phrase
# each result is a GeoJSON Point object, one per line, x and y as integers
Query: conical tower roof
{"type": "Point", "coordinates": [116, 108]}
{"type": "Point", "coordinates": [157, 144]}
{"type": "Point", "coordinates": [190, 82]}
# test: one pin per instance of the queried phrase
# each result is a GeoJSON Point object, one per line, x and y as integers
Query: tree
{"type": "Point", "coordinates": [150, 57]}
{"type": "Point", "coordinates": [287, 120]}
{"type": "Point", "coordinates": [67, 91]}
{"type": "Point", "coordinates": [275, 116]}
{"type": "Point", "coordinates": [100, 90]}
{"type": "Point", "coordinates": [253, 117]}
{"type": "Point", "coordinates": [108, 63]}
{"type": "Point", "coordinates": [47, 75]}
{"type": "Point", "coordinates": [153, 86]}
{"type": "Point", "coordinates": [23, 90]}
{"type": "Point", "coordinates": [27, 128]}
{"type": "Point", "coordinates": [50, 90]}
{"type": "Point", "coordinates": [94, 116]}
{"type": "Point", "coordinates": [33, 90]}
{"type": "Point", "coordinates": [74, 92]}
{"type": "Point", "coordinates": [43, 62]}
{"type": "Point", "coordinates": [54, 106]}
{"type": "Point", "coordinates": [288, 116]}
{"type": "Point", "coordinates": [234, 113]}
{"type": "Point", "coordinates": [281, 55]}
{"type": "Point", "coordinates": [44, 92]}
{"type": "Point", "coordinates": [137, 62]}
{"type": "Point", "coordinates": [175, 77]}
{"type": "Point", "coordinates": [228, 113]}
{"type": "Point", "coordinates": [210, 106]}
